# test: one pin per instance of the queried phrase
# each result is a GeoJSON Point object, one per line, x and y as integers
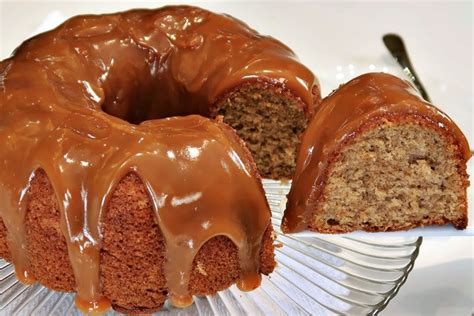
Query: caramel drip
{"type": "Point", "coordinates": [181, 301]}
{"type": "Point", "coordinates": [24, 276]}
{"type": "Point", "coordinates": [96, 307]}
{"type": "Point", "coordinates": [249, 283]}
{"type": "Point", "coordinates": [56, 91]}
{"type": "Point", "coordinates": [337, 119]}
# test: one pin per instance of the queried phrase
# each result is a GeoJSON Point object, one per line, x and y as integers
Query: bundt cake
{"type": "Point", "coordinates": [114, 185]}
{"type": "Point", "coordinates": [377, 157]}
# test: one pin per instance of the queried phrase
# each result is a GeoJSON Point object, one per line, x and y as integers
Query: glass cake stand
{"type": "Point", "coordinates": [314, 275]}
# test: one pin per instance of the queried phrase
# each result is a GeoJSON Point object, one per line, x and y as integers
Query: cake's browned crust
{"type": "Point", "coordinates": [4, 252]}
{"type": "Point", "coordinates": [132, 252]}
{"type": "Point", "coordinates": [132, 255]}
{"type": "Point", "coordinates": [47, 249]}
{"type": "Point", "coordinates": [452, 149]}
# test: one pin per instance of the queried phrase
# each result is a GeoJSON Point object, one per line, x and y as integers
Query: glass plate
{"type": "Point", "coordinates": [314, 275]}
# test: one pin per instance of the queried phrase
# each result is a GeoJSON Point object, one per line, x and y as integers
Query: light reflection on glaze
{"type": "Point", "coordinates": [139, 65]}
{"type": "Point", "coordinates": [188, 199]}
{"type": "Point", "coordinates": [337, 119]}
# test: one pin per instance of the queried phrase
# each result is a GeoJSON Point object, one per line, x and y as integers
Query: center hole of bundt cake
{"type": "Point", "coordinates": [268, 119]}
{"type": "Point", "coordinates": [140, 106]}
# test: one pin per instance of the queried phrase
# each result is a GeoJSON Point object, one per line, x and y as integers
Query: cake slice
{"type": "Point", "coordinates": [377, 157]}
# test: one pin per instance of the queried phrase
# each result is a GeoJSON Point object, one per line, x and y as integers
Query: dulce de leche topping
{"type": "Point", "coordinates": [64, 99]}
{"type": "Point", "coordinates": [339, 116]}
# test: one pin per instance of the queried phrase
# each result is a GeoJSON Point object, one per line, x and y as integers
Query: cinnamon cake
{"type": "Point", "coordinates": [113, 184]}
{"type": "Point", "coordinates": [377, 157]}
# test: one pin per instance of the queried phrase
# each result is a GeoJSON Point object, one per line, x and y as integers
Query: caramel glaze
{"type": "Point", "coordinates": [367, 98]}
{"type": "Point", "coordinates": [64, 96]}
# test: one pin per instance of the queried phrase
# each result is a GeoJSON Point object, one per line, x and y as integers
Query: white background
{"type": "Point", "coordinates": [339, 40]}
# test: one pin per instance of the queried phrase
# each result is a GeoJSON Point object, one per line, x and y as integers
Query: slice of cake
{"type": "Point", "coordinates": [377, 157]}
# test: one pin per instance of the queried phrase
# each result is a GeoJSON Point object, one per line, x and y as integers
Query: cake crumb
{"type": "Point", "coordinates": [200, 268]}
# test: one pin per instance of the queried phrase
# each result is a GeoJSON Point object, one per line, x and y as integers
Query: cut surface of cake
{"type": "Point", "coordinates": [377, 157]}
